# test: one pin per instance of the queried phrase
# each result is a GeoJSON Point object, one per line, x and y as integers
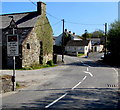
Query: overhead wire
{"type": "Point", "coordinates": [66, 21]}
{"type": "Point", "coordinates": [46, 11]}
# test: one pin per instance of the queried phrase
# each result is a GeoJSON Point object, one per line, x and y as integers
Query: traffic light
{"type": "Point", "coordinates": [12, 38]}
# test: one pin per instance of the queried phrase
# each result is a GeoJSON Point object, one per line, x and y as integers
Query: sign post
{"type": "Point", "coordinates": [13, 50]}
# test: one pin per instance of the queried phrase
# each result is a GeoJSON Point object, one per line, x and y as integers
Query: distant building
{"type": "Point", "coordinates": [58, 40]}
{"type": "Point", "coordinates": [75, 47]}
{"type": "Point", "coordinates": [97, 44]}
{"type": "Point", "coordinates": [35, 37]}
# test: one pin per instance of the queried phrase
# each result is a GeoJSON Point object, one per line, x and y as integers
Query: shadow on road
{"type": "Point", "coordinates": [89, 63]}
{"type": "Point", "coordinates": [78, 99]}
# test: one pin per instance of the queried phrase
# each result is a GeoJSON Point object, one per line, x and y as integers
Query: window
{"type": "Point", "coordinates": [28, 46]}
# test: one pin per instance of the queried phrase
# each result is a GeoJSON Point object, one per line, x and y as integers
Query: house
{"type": "Point", "coordinates": [35, 37]}
{"type": "Point", "coordinates": [72, 36]}
{"type": "Point", "coordinates": [75, 47]}
{"type": "Point", "coordinates": [95, 41]}
{"type": "Point", "coordinates": [97, 44]}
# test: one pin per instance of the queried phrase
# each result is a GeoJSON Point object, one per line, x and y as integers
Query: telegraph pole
{"type": "Point", "coordinates": [63, 42]}
{"type": "Point", "coordinates": [105, 39]}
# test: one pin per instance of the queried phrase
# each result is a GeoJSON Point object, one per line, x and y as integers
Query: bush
{"type": "Point", "coordinates": [50, 62]}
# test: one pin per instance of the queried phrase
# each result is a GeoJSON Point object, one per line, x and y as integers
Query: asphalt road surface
{"type": "Point", "coordinates": [81, 83]}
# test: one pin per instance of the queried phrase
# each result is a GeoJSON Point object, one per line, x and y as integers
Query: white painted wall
{"type": "Point", "coordinates": [76, 49]}
{"type": "Point", "coordinates": [58, 40]}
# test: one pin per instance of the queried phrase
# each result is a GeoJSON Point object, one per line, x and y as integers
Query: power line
{"type": "Point", "coordinates": [65, 20]}
{"type": "Point", "coordinates": [33, 3]}
{"type": "Point", "coordinates": [46, 11]}
{"type": "Point", "coordinates": [56, 23]}
{"type": "Point", "coordinates": [53, 16]}
{"type": "Point", "coordinates": [81, 23]}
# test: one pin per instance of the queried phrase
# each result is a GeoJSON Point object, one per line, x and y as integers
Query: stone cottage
{"type": "Point", "coordinates": [34, 34]}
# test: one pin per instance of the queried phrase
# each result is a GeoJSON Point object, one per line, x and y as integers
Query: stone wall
{"type": "Point", "coordinates": [30, 50]}
{"type": "Point", "coordinates": [5, 83]}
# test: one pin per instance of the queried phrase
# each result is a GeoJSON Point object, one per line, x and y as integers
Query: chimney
{"type": "Point", "coordinates": [73, 33]}
{"type": "Point", "coordinates": [41, 8]}
{"type": "Point", "coordinates": [65, 30]}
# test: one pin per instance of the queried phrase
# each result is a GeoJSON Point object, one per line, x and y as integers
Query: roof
{"type": "Point", "coordinates": [78, 43]}
{"type": "Point", "coordinates": [93, 38]}
{"type": "Point", "coordinates": [22, 20]}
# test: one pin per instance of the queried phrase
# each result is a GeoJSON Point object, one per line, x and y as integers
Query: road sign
{"type": "Point", "coordinates": [12, 45]}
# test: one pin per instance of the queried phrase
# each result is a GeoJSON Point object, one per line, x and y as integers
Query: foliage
{"type": "Point", "coordinates": [44, 33]}
{"type": "Point", "coordinates": [17, 85]}
{"type": "Point", "coordinates": [98, 34]}
{"type": "Point", "coordinates": [39, 66]}
{"type": "Point", "coordinates": [50, 62]}
{"type": "Point", "coordinates": [95, 34]}
{"type": "Point", "coordinates": [67, 37]}
{"type": "Point", "coordinates": [86, 35]}
{"type": "Point", "coordinates": [114, 40]}
{"type": "Point", "coordinates": [80, 54]}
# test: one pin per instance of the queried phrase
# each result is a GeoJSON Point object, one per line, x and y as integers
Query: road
{"type": "Point", "coordinates": [81, 83]}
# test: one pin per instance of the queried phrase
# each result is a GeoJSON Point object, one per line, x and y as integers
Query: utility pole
{"type": "Point", "coordinates": [105, 39]}
{"type": "Point", "coordinates": [63, 42]}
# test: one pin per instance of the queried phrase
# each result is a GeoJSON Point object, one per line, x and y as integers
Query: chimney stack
{"type": "Point", "coordinates": [41, 8]}
{"type": "Point", "coordinates": [65, 30]}
{"type": "Point", "coordinates": [73, 33]}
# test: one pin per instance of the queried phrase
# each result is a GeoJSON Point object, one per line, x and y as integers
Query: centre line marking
{"type": "Point", "coordinates": [56, 100]}
{"type": "Point", "coordinates": [87, 69]}
{"type": "Point", "coordinates": [88, 73]}
{"type": "Point", "coordinates": [79, 83]}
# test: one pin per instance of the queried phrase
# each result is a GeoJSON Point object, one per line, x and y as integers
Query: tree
{"type": "Point", "coordinates": [67, 37]}
{"type": "Point", "coordinates": [114, 40]}
{"type": "Point", "coordinates": [98, 34]}
{"type": "Point", "coordinates": [86, 35]}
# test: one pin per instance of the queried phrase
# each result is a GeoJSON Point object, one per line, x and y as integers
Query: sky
{"type": "Point", "coordinates": [78, 16]}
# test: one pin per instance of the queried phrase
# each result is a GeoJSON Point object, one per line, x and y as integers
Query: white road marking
{"type": "Point", "coordinates": [88, 73]}
{"type": "Point", "coordinates": [79, 83]}
{"type": "Point", "coordinates": [56, 100]}
{"type": "Point", "coordinates": [85, 64]}
{"type": "Point", "coordinates": [87, 69]}
{"type": "Point", "coordinates": [115, 71]}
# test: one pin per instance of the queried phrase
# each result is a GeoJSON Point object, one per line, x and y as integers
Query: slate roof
{"type": "Point", "coordinates": [22, 20]}
{"type": "Point", "coordinates": [78, 43]}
